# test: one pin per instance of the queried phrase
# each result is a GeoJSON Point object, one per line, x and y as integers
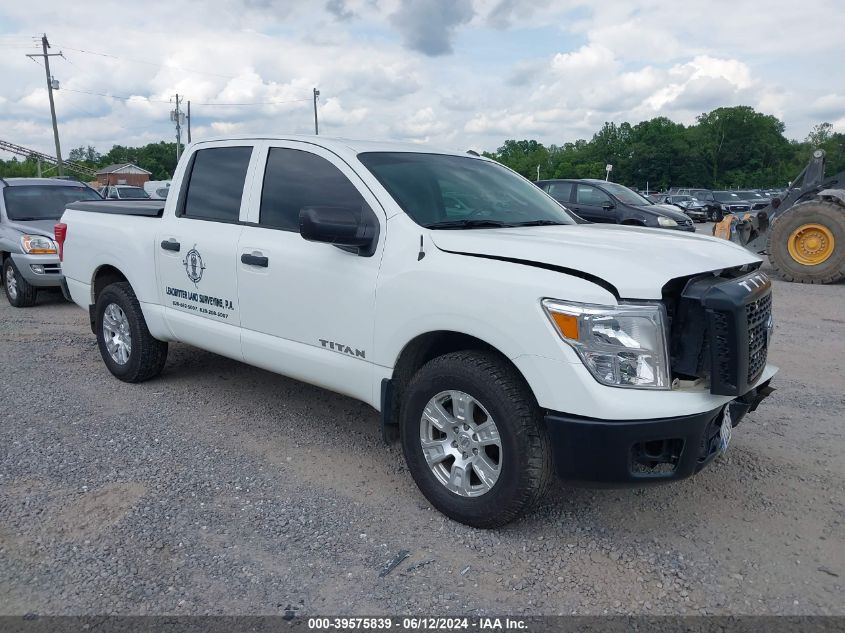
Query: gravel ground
{"type": "Point", "coordinates": [223, 489]}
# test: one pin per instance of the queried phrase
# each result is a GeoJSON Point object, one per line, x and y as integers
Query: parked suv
{"type": "Point", "coordinates": [730, 202]}
{"type": "Point", "coordinates": [612, 203]}
{"type": "Point", "coordinates": [755, 199]}
{"type": "Point", "coordinates": [29, 208]}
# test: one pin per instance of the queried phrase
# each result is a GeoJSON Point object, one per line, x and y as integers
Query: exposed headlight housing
{"type": "Point", "coordinates": [38, 245]}
{"type": "Point", "coordinates": [664, 221]}
{"type": "Point", "coordinates": [621, 346]}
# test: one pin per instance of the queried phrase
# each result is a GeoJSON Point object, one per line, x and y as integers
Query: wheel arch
{"type": "Point", "coordinates": [104, 276]}
{"type": "Point", "coordinates": [420, 350]}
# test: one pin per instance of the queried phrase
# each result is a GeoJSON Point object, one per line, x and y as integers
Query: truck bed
{"type": "Point", "coordinates": [145, 208]}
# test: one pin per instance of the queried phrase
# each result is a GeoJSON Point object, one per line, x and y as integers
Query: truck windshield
{"type": "Point", "coordinates": [441, 191]}
{"type": "Point", "coordinates": [43, 202]}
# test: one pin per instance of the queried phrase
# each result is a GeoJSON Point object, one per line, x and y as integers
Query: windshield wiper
{"type": "Point", "coordinates": [541, 223]}
{"type": "Point", "coordinates": [31, 219]}
{"type": "Point", "coordinates": [467, 224]}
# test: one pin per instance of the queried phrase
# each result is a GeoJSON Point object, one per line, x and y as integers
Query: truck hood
{"type": "Point", "coordinates": [636, 261]}
{"type": "Point", "coordinates": [34, 227]}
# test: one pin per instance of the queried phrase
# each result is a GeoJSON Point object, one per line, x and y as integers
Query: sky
{"type": "Point", "coordinates": [461, 74]}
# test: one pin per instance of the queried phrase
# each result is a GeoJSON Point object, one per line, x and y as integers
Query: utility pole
{"type": "Point", "coordinates": [52, 84]}
{"type": "Point", "coordinates": [189, 122]}
{"type": "Point", "coordinates": [316, 127]}
{"type": "Point", "coordinates": [178, 117]}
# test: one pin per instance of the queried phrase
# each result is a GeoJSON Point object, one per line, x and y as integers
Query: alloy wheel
{"type": "Point", "coordinates": [461, 443]}
{"type": "Point", "coordinates": [116, 333]}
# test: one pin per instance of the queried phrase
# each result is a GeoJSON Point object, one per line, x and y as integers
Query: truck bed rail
{"type": "Point", "coordinates": [145, 208]}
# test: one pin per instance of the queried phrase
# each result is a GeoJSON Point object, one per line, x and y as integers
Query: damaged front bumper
{"type": "Point", "coordinates": [638, 452]}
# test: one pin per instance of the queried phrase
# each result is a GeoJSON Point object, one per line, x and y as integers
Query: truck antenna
{"type": "Point", "coordinates": [422, 252]}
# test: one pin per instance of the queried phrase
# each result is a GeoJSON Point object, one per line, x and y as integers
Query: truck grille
{"type": "Point", "coordinates": [720, 341]}
{"type": "Point", "coordinates": [719, 330]}
{"type": "Point", "coordinates": [758, 315]}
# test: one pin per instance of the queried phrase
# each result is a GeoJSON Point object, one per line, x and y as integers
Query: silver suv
{"type": "Point", "coordinates": [29, 208]}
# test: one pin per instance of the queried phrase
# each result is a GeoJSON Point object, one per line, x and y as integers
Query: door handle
{"type": "Point", "coordinates": [171, 245]}
{"type": "Point", "coordinates": [255, 260]}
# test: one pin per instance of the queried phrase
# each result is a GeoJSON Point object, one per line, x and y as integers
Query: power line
{"type": "Point", "coordinates": [149, 63]}
{"type": "Point", "coordinates": [256, 103]}
{"type": "Point", "coordinates": [103, 94]}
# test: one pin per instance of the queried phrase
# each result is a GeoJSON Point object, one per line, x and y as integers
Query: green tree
{"type": "Point", "coordinates": [84, 155]}
{"type": "Point", "coordinates": [740, 146]}
{"type": "Point", "coordinates": [524, 157]}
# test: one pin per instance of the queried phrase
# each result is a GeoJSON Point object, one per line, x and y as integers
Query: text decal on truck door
{"type": "Point", "coordinates": [343, 349]}
{"type": "Point", "coordinates": [205, 303]}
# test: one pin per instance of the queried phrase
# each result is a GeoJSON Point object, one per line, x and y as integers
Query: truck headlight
{"type": "Point", "coordinates": [664, 221]}
{"type": "Point", "coordinates": [38, 245]}
{"type": "Point", "coordinates": [621, 346]}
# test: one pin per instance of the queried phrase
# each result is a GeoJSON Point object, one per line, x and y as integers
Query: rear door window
{"type": "Point", "coordinates": [590, 196]}
{"type": "Point", "coordinates": [216, 184]}
{"type": "Point", "coordinates": [560, 191]}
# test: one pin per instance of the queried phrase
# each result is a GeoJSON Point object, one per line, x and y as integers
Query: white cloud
{"type": "Point", "coordinates": [554, 71]}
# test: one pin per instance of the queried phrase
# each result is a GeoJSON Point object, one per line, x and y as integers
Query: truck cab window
{"type": "Point", "coordinates": [216, 184]}
{"type": "Point", "coordinates": [294, 179]}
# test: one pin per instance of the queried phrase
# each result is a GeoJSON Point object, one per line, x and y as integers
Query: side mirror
{"type": "Point", "coordinates": [349, 228]}
{"type": "Point", "coordinates": [775, 203]}
{"type": "Point", "coordinates": [607, 206]}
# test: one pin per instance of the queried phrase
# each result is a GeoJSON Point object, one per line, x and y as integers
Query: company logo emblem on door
{"type": "Point", "coordinates": [194, 265]}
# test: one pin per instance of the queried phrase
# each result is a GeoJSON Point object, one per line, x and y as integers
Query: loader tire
{"type": "Point", "coordinates": [807, 244]}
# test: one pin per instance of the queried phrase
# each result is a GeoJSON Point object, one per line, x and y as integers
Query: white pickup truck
{"type": "Point", "coordinates": [501, 337]}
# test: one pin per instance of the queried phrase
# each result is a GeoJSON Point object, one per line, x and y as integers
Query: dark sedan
{"type": "Point", "coordinates": [609, 202]}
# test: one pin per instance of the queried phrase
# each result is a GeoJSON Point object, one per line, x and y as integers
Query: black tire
{"type": "Point", "coordinates": [827, 214]}
{"type": "Point", "coordinates": [25, 293]}
{"type": "Point", "coordinates": [526, 466]}
{"type": "Point", "coordinates": [147, 354]}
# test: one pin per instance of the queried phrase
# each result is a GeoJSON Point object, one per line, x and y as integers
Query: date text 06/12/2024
{"type": "Point", "coordinates": [416, 623]}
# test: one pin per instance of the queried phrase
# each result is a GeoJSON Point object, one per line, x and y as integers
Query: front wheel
{"type": "Point", "coordinates": [126, 345]}
{"type": "Point", "coordinates": [19, 292]}
{"type": "Point", "coordinates": [474, 439]}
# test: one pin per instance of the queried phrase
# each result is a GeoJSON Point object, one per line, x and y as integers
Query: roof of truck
{"type": "Point", "coordinates": [342, 144]}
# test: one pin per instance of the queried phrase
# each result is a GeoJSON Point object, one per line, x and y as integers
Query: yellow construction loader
{"type": "Point", "coordinates": [803, 233]}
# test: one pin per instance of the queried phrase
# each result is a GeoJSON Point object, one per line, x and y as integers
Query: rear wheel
{"type": "Point", "coordinates": [474, 440]}
{"type": "Point", "coordinates": [19, 292]}
{"type": "Point", "coordinates": [126, 345]}
{"type": "Point", "coordinates": [807, 243]}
